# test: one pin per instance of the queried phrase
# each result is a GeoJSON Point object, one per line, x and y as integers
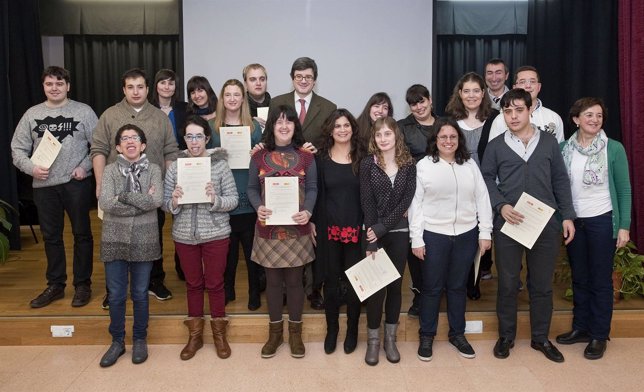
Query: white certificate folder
{"type": "Point", "coordinates": [372, 274]}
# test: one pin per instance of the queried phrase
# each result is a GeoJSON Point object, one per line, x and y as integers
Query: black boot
{"type": "Point", "coordinates": [353, 320]}
{"type": "Point", "coordinates": [332, 313]}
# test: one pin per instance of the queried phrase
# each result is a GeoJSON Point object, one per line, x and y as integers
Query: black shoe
{"type": "Point", "coordinates": [463, 346]}
{"type": "Point", "coordinates": [254, 301]}
{"type": "Point", "coordinates": [330, 340]}
{"type": "Point", "coordinates": [351, 340]}
{"type": "Point", "coordinates": [159, 290]}
{"type": "Point", "coordinates": [572, 337]}
{"type": "Point", "coordinates": [425, 348]}
{"type": "Point", "coordinates": [139, 351]}
{"type": "Point", "coordinates": [82, 295]}
{"type": "Point", "coordinates": [317, 302]}
{"type": "Point", "coordinates": [474, 293]}
{"type": "Point", "coordinates": [113, 353]}
{"type": "Point", "coordinates": [49, 295]}
{"type": "Point", "coordinates": [502, 348]}
{"type": "Point", "coordinates": [106, 302]}
{"type": "Point", "coordinates": [548, 350]}
{"type": "Point", "coordinates": [595, 349]}
{"type": "Point", "coordinates": [413, 311]}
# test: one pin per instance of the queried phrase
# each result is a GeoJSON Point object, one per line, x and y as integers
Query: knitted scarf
{"type": "Point", "coordinates": [132, 171]}
{"type": "Point", "coordinates": [596, 165]}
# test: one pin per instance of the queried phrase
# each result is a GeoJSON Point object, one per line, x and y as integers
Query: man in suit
{"type": "Point", "coordinates": [312, 111]}
{"type": "Point", "coordinates": [304, 74]}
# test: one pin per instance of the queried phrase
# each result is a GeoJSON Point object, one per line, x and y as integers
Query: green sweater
{"type": "Point", "coordinates": [619, 185]}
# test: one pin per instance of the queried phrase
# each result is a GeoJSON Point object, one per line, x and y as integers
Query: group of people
{"type": "Point", "coordinates": [432, 192]}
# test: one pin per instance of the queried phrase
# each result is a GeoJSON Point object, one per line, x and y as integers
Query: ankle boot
{"type": "Point", "coordinates": [275, 338]}
{"type": "Point", "coordinates": [373, 346]}
{"type": "Point", "coordinates": [391, 350]}
{"type": "Point", "coordinates": [218, 326]}
{"type": "Point", "coordinates": [195, 338]}
{"type": "Point", "coordinates": [295, 339]}
{"type": "Point", "coordinates": [353, 320]}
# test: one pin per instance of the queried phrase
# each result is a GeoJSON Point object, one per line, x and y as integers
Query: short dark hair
{"type": "Point", "coordinates": [524, 68]}
{"type": "Point", "coordinates": [584, 103]}
{"type": "Point", "coordinates": [129, 127]}
{"type": "Point", "coordinates": [201, 83]}
{"type": "Point", "coordinates": [57, 72]}
{"type": "Point", "coordinates": [198, 121]}
{"type": "Point", "coordinates": [133, 74]}
{"type": "Point", "coordinates": [163, 74]}
{"type": "Point", "coordinates": [304, 63]}
{"type": "Point", "coordinates": [497, 61]}
{"type": "Point", "coordinates": [516, 94]}
{"type": "Point", "coordinates": [461, 153]}
{"type": "Point", "coordinates": [274, 115]}
{"type": "Point", "coordinates": [416, 93]}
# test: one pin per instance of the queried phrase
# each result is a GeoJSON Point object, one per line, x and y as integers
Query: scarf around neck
{"type": "Point", "coordinates": [132, 171]}
{"type": "Point", "coordinates": [596, 165]}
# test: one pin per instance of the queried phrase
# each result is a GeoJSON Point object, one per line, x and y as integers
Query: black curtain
{"type": "Point", "coordinates": [20, 88]}
{"type": "Point", "coordinates": [573, 45]}
{"type": "Point", "coordinates": [96, 63]}
{"type": "Point", "coordinates": [459, 54]}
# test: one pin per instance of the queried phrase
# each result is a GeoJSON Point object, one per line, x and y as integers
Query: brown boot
{"type": "Point", "coordinates": [275, 338]}
{"type": "Point", "coordinates": [295, 339]}
{"type": "Point", "coordinates": [195, 340]}
{"type": "Point", "coordinates": [218, 326]}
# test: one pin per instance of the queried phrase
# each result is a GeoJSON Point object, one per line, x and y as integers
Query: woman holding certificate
{"type": "Point", "coordinates": [200, 232]}
{"type": "Point", "coordinates": [450, 220]}
{"type": "Point", "coordinates": [601, 194]}
{"type": "Point", "coordinates": [233, 122]}
{"type": "Point", "coordinates": [282, 186]}
{"type": "Point", "coordinates": [338, 220]}
{"type": "Point", "coordinates": [387, 184]}
{"type": "Point", "coordinates": [130, 195]}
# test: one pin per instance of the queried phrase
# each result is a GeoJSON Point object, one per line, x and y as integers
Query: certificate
{"type": "Point", "coordinates": [536, 215]}
{"type": "Point", "coordinates": [262, 113]}
{"type": "Point", "coordinates": [370, 275]}
{"type": "Point", "coordinates": [47, 151]}
{"type": "Point", "coordinates": [192, 176]}
{"type": "Point", "coordinates": [236, 141]}
{"type": "Point", "coordinates": [282, 197]}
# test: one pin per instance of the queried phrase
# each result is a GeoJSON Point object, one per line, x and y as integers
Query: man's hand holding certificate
{"type": "Point", "coordinates": [47, 151]}
{"type": "Point", "coordinates": [525, 221]}
{"type": "Point", "coordinates": [371, 274]}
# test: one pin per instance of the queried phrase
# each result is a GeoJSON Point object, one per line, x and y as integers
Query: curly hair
{"type": "Point", "coordinates": [269, 133]}
{"type": "Point", "coordinates": [403, 157]}
{"type": "Point", "coordinates": [455, 107]}
{"type": "Point", "coordinates": [356, 152]}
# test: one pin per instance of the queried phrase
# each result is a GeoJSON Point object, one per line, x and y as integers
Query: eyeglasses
{"type": "Point", "coordinates": [444, 138]}
{"type": "Point", "coordinates": [191, 138]}
{"type": "Point", "coordinates": [527, 82]}
{"type": "Point", "coordinates": [298, 78]}
{"type": "Point", "coordinates": [135, 138]}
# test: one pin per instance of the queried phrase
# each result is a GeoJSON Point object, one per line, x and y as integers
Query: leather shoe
{"type": "Point", "coordinates": [548, 350]}
{"type": "Point", "coordinates": [502, 348]}
{"type": "Point", "coordinates": [82, 295]}
{"type": "Point", "coordinates": [595, 349]}
{"type": "Point", "coordinates": [317, 302]}
{"type": "Point", "coordinates": [572, 337]}
{"type": "Point", "coordinates": [49, 295]}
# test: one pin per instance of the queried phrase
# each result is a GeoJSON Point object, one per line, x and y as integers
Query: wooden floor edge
{"type": "Point", "coordinates": [92, 330]}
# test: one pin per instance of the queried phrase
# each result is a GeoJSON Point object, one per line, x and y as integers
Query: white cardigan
{"type": "Point", "coordinates": [450, 199]}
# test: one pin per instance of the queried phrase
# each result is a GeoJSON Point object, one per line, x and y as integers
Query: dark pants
{"type": "Point", "coordinates": [340, 257]}
{"type": "Point", "coordinates": [590, 255]}
{"type": "Point", "coordinates": [52, 202]}
{"type": "Point", "coordinates": [396, 245]}
{"type": "Point", "coordinates": [416, 274]}
{"type": "Point", "coordinates": [276, 279]}
{"type": "Point", "coordinates": [203, 266]}
{"type": "Point", "coordinates": [242, 231]}
{"type": "Point", "coordinates": [540, 261]}
{"type": "Point", "coordinates": [447, 263]}
{"type": "Point", "coordinates": [116, 277]}
{"type": "Point", "coordinates": [158, 274]}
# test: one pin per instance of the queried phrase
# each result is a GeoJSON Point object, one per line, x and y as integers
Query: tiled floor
{"type": "Point", "coordinates": [75, 368]}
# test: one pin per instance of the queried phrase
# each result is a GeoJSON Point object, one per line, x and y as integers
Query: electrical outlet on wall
{"type": "Point", "coordinates": [62, 331]}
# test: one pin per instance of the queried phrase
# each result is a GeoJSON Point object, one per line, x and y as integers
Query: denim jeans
{"type": "Point", "coordinates": [52, 202]}
{"type": "Point", "coordinates": [447, 263]}
{"type": "Point", "coordinates": [116, 277]}
{"type": "Point", "coordinates": [590, 255]}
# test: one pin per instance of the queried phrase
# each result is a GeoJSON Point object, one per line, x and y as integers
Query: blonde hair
{"type": "Point", "coordinates": [402, 155]}
{"type": "Point", "coordinates": [246, 119]}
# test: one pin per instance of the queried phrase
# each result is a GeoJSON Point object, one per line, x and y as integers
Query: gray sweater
{"type": "Point", "coordinates": [130, 231]}
{"type": "Point", "coordinates": [72, 124]}
{"type": "Point", "coordinates": [199, 223]}
{"type": "Point", "coordinates": [543, 176]}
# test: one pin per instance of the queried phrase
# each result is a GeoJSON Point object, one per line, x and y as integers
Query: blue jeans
{"type": "Point", "coordinates": [447, 264]}
{"type": "Point", "coordinates": [590, 255]}
{"type": "Point", "coordinates": [116, 277]}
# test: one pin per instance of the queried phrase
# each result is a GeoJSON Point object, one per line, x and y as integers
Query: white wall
{"type": "Point", "coordinates": [360, 46]}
